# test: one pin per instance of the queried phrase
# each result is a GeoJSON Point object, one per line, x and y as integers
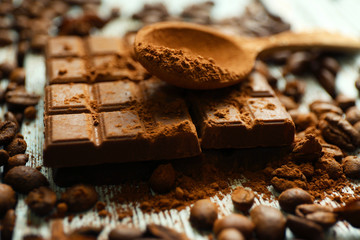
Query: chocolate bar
{"type": "Point", "coordinates": [244, 116]}
{"type": "Point", "coordinates": [119, 121]}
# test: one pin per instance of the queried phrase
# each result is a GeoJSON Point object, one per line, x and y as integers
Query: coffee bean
{"type": "Point", "coordinates": [19, 99]}
{"type": "Point", "coordinates": [350, 212]}
{"type": "Point", "coordinates": [7, 198]}
{"type": "Point", "coordinates": [87, 232]}
{"type": "Point", "coordinates": [162, 232]}
{"type": "Point", "coordinates": [327, 80]}
{"type": "Point", "coordinates": [304, 228]}
{"type": "Point", "coordinates": [41, 200]}
{"type": "Point", "coordinates": [162, 179]}
{"type": "Point", "coordinates": [288, 102]}
{"type": "Point", "coordinates": [9, 116]}
{"type": "Point", "coordinates": [12, 86]}
{"type": "Point", "coordinates": [332, 151]}
{"type": "Point", "coordinates": [24, 179]}
{"type": "Point", "coordinates": [279, 57]}
{"type": "Point", "coordinates": [80, 198]}
{"type": "Point", "coordinates": [321, 107]}
{"type": "Point", "coordinates": [6, 68]}
{"type": "Point", "coordinates": [17, 160]}
{"type": "Point", "coordinates": [243, 199]}
{"type": "Point", "coordinates": [303, 120]}
{"type": "Point", "coordinates": [330, 64]}
{"type": "Point", "coordinates": [33, 237]}
{"type": "Point", "coordinates": [203, 214]}
{"type": "Point", "coordinates": [345, 102]}
{"type": "Point", "coordinates": [269, 222]}
{"type": "Point", "coordinates": [237, 221]}
{"type": "Point", "coordinates": [30, 112]}
{"type": "Point", "coordinates": [324, 219]}
{"type": "Point", "coordinates": [8, 225]}
{"type": "Point", "coordinates": [295, 89]}
{"type": "Point", "coordinates": [230, 234]}
{"type": "Point", "coordinates": [351, 167]}
{"type": "Point", "coordinates": [18, 76]}
{"type": "Point", "coordinates": [4, 157]}
{"type": "Point", "coordinates": [304, 209]}
{"type": "Point", "coordinates": [353, 115]}
{"type": "Point", "coordinates": [339, 131]}
{"type": "Point", "coordinates": [123, 232]}
{"type": "Point", "coordinates": [357, 126]}
{"type": "Point", "coordinates": [16, 146]}
{"type": "Point", "coordinates": [22, 48]}
{"type": "Point", "coordinates": [2, 93]}
{"type": "Point", "coordinates": [8, 130]}
{"type": "Point", "coordinates": [293, 197]}
{"type": "Point", "coordinates": [298, 63]}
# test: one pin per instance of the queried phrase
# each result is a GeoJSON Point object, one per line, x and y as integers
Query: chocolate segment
{"type": "Point", "coordinates": [101, 122]}
{"type": "Point", "coordinates": [248, 115]}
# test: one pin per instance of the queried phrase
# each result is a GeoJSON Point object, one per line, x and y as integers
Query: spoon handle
{"type": "Point", "coordinates": [302, 41]}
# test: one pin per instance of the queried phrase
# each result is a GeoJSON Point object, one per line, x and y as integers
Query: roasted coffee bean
{"type": "Point", "coordinates": [2, 93]}
{"type": "Point", "coordinates": [8, 225]}
{"type": "Point", "coordinates": [324, 219]}
{"type": "Point", "coordinates": [330, 64]}
{"type": "Point", "coordinates": [357, 126]}
{"type": "Point", "coordinates": [331, 150]}
{"type": "Point", "coordinates": [304, 228]}
{"type": "Point", "coordinates": [5, 37]}
{"type": "Point", "coordinates": [11, 87]}
{"type": "Point", "coordinates": [293, 197]}
{"type": "Point", "coordinates": [339, 131]}
{"type": "Point", "coordinates": [22, 48]}
{"type": "Point", "coordinates": [16, 146]}
{"type": "Point", "coordinates": [288, 102]}
{"type": "Point", "coordinates": [353, 115]}
{"type": "Point", "coordinates": [123, 232]}
{"type": "Point", "coordinates": [327, 80]}
{"type": "Point", "coordinates": [9, 116]}
{"type": "Point", "coordinates": [330, 166]}
{"type": "Point", "coordinates": [24, 179]}
{"type": "Point", "coordinates": [19, 99]}
{"type": "Point", "coordinates": [41, 200]}
{"type": "Point", "coordinates": [30, 112]}
{"type": "Point", "coordinates": [8, 130]}
{"type": "Point", "coordinates": [80, 198]}
{"type": "Point", "coordinates": [295, 89]}
{"type": "Point", "coordinates": [19, 117]}
{"type": "Point", "coordinates": [237, 221]}
{"type": "Point", "coordinates": [230, 234]}
{"type": "Point", "coordinates": [163, 178]}
{"type": "Point", "coordinates": [17, 160]}
{"type": "Point", "coordinates": [286, 177]}
{"type": "Point", "coordinates": [298, 63]}
{"type": "Point", "coordinates": [351, 166]}
{"type": "Point", "coordinates": [4, 157]}
{"type": "Point", "coordinates": [87, 232]}
{"type": "Point", "coordinates": [6, 68]}
{"type": "Point", "coordinates": [33, 237]}
{"type": "Point", "coordinates": [303, 120]}
{"type": "Point", "coordinates": [18, 76]}
{"type": "Point", "coordinates": [38, 42]}
{"type": "Point", "coordinates": [304, 209]}
{"type": "Point", "coordinates": [350, 212]}
{"type": "Point", "coordinates": [269, 222]}
{"type": "Point", "coordinates": [7, 198]}
{"type": "Point", "coordinates": [307, 148]}
{"type": "Point", "coordinates": [279, 57]}
{"type": "Point", "coordinates": [162, 232]}
{"type": "Point", "coordinates": [321, 107]}
{"type": "Point", "coordinates": [203, 214]}
{"type": "Point", "coordinates": [345, 102]}
{"type": "Point", "coordinates": [243, 199]}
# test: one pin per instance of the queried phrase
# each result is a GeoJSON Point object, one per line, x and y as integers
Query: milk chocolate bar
{"type": "Point", "coordinates": [245, 116]}
{"type": "Point", "coordinates": [119, 121]}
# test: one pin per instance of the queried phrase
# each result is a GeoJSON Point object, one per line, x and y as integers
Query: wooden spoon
{"type": "Point", "coordinates": [198, 57]}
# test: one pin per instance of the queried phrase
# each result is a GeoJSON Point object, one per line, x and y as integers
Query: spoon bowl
{"type": "Point", "coordinates": [215, 60]}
